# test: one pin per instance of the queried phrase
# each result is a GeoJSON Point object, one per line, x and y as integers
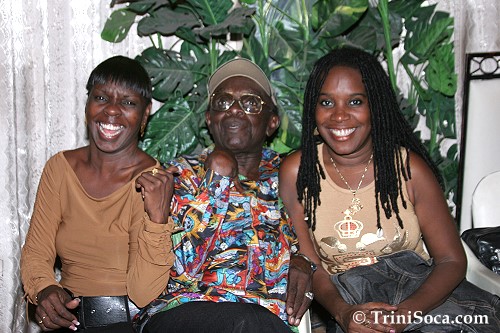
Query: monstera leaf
{"type": "Point", "coordinates": [235, 22]}
{"type": "Point", "coordinates": [425, 34]}
{"type": "Point", "coordinates": [170, 73]}
{"type": "Point", "coordinates": [118, 25]}
{"type": "Point", "coordinates": [331, 18]}
{"type": "Point", "coordinates": [172, 130]}
{"type": "Point", "coordinates": [166, 21]}
{"type": "Point", "coordinates": [369, 32]}
{"type": "Point", "coordinates": [440, 73]}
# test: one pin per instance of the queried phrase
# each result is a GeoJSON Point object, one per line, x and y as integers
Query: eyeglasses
{"type": "Point", "coordinates": [249, 103]}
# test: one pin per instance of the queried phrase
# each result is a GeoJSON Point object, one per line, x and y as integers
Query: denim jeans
{"type": "Point", "coordinates": [396, 276]}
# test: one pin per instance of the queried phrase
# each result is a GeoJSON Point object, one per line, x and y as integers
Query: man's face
{"type": "Point", "coordinates": [235, 130]}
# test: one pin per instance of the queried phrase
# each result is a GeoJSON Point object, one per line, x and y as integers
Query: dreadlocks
{"type": "Point", "coordinates": [390, 132]}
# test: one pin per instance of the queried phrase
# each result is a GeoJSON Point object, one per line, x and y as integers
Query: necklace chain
{"type": "Point", "coordinates": [345, 181]}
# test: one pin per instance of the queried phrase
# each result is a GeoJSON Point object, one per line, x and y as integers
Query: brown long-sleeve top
{"type": "Point", "coordinates": [107, 246]}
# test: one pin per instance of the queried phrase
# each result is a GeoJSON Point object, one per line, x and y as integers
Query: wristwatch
{"type": "Point", "coordinates": [314, 267]}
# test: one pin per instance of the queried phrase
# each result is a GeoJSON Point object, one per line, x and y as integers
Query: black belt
{"type": "Point", "coordinates": [101, 311]}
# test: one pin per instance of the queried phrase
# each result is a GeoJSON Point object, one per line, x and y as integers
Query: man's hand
{"type": "Point", "coordinates": [299, 285]}
{"type": "Point", "coordinates": [225, 164]}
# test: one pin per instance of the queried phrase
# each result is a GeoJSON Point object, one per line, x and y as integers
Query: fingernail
{"type": "Point", "coordinates": [76, 322]}
{"type": "Point", "coordinates": [297, 322]}
{"type": "Point", "coordinates": [392, 331]}
{"type": "Point", "coordinates": [73, 328]}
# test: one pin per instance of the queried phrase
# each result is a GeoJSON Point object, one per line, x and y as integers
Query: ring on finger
{"type": "Point", "coordinates": [154, 171]}
{"type": "Point", "coordinates": [309, 295]}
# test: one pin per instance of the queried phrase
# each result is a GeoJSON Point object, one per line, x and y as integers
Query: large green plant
{"type": "Point", "coordinates": [285, 37]}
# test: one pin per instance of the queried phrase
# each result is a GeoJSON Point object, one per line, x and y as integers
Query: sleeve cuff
{"type": "Point", "coordinates": [158, 228]}
{"type": "Point", "coordinates": [155, 243]}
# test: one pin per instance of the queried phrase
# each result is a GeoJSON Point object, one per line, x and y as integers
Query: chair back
{"type": "Point", "coordinates": [486, 202]}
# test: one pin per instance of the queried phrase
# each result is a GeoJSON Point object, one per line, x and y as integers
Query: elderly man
{"type": "Point", "coordinates": [236, 267]}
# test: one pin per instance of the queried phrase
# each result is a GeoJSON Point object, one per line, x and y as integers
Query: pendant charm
{"type": "Point", "coordinates": [355, 206]}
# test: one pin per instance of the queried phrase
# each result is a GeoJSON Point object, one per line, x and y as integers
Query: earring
{"type": "Point", "coordinates": [143, 127]}
{"type": "Point", "coordinates": [315, 132]}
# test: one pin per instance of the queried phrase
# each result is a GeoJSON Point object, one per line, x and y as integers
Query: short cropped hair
{"type": "Point", "coordinates": [124, 71]}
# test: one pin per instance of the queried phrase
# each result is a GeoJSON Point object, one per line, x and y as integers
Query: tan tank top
{"type": "Point", "coordinates": [343, 242]}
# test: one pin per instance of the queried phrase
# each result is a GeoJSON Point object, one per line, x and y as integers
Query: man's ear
{"type": "Point", "coordinates": [207, 118]}
{"type": "Point", "coordinates": [272, 124]}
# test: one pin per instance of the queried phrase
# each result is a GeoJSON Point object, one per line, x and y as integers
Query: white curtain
{"type": "Point", "coordinates": [47, 50]}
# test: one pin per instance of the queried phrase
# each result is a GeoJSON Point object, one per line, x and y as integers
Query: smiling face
{"type": "Point", "coordinates": [342, 112]}
{"type": "Point", "coordinates": [235, 130]}
{"type": "Point", "coordinates": [115, 115]}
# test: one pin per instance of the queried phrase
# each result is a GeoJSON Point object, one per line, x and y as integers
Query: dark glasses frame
{"type": "Point", "coordinates": [234, 99]}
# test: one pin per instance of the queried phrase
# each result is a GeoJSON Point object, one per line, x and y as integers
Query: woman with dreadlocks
{"type": "Point", "coordinates": [364, 197]}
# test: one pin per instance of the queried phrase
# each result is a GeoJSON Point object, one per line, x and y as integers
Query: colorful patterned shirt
{"type": "Point", "coordinates": [230, 247]}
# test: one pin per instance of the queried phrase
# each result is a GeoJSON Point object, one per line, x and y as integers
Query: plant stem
{"type": "Point", "coordinates": [434, 128]}
{"type": "Point", "coordinates": [305, 19]}
{"type": "Point", "coordinates": [421, 93]}
{"type": "Point", "coordinates": [213, 55]}
{"type": "Point", "coordinates": [383, 9]}
{"type": "Point", "coordinates": [261, 24]}
{"type": "Point", "coordinates": [160, 42]}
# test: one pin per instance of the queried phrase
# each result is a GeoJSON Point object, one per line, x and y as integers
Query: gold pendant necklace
{"type": "Point", "coordinates": [349, 228]}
